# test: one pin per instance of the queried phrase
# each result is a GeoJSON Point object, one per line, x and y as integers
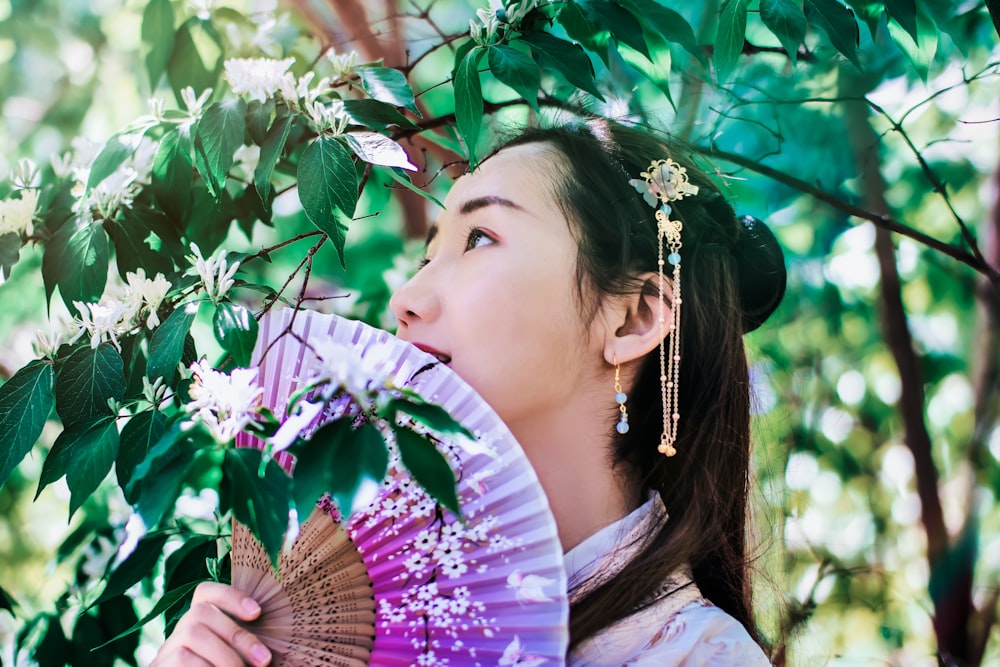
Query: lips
{"type": "Point", "coordinates": [441, 356]}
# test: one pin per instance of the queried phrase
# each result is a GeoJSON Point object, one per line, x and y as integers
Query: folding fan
{"type": "Point", "coordinates": [404, 582]}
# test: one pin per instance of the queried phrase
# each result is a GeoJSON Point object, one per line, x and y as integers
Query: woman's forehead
{"type": "Point", "coordinates": [521, 172]}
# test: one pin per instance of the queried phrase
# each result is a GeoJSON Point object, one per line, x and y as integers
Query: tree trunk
{"type": "Point", "coordinates": [951, 565]}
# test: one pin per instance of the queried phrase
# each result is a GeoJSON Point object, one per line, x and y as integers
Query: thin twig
{"type": "Point", "coordinates": [878, 219]}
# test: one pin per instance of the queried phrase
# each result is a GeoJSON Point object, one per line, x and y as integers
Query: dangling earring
{"type": "Point", "coordinates": [666, 181]}
{"type": "Point", "coordinates": [620, 398]}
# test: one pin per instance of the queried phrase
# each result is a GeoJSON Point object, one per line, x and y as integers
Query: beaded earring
{"type": "Point", "coordinates": [620, 399]}
{"type": "Point", "coordinates": [663, 182]}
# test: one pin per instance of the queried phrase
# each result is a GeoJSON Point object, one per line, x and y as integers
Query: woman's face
{"type": "Point", "coordinates": [497, 298]}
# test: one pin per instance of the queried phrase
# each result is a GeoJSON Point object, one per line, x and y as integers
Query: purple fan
{"type": "Point", "coordinates": [403, 582]}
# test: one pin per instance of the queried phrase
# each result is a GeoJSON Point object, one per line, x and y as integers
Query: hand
{"type": "Point", "coordinates": [208, 634]}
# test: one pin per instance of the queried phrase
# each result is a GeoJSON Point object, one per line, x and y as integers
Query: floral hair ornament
{"type": "Point", "coordinates": [664, 182]}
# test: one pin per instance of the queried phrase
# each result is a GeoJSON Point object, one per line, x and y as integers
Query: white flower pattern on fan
{"type": "Point", "coordinates": [432, 608]}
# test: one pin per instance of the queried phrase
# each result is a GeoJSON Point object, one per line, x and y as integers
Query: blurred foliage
{"type": "Point", "coordinates": [761, 89]}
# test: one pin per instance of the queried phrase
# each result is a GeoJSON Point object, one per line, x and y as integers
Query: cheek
{"type": "Point", "coordinates": [524, 341]}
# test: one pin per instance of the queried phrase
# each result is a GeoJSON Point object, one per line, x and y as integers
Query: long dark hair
{"type": "Point", "coordinates": [705, 486]}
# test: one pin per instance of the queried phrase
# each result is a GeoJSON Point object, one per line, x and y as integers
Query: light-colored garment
{"type": "Point", "coordinates": [682, 628]}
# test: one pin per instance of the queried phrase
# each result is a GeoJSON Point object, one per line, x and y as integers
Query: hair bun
{"type": "Point", "coordinates": [761, 271]}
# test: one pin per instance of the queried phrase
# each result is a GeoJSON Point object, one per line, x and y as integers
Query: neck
{"type": "Point", "coordinates": [569, 450]}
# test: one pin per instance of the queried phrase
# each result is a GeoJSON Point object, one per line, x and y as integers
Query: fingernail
{"type": "Point", "coordinates": [251, 607]}
{"type": "Point", "coordinates": [260, 654]}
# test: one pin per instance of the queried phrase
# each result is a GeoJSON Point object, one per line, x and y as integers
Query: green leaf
{"type": "Point", "coordinates": [196, 58]}
{"type": "Point", "coordinates": [336, 460]}
{"type": "Point", "coordinates": [567, 58]}
{"type": "Point", "coordinates": [516, 70]}
{"type": "Point", "coordinates": [165, 603]}
{"type": "Point", "coordinates": [107, 620]}
{"type": "Point", "coordinates": [667, 24]}
{"type": "Point", "coordinates": [260, 502]}
{"type": "Point", "coordinates": [429, 414]}
{"type": "Point", "coordinates": [270, 153]}
{"type": "Point", "coordinates": [87, 380]}
{"type": "Point", "coordinates": [84, 453]}
{"type": "Point", "coordinates": [173, 172]}
{"type": "Point", "coordinates": [328, 183]}
{"type": "Point", "coordinates": [7, 601]}
{"type": "Point", "coordinates": [403, 179]}
{"type": "Point", "coordinates": [236, 330]}
{"type": "Point", "coordinates": [428, 466]}
{"type": "Point", "coordinates": [220, 132]}
{"type": "Point", "coordinates": [388, 85]}
{"type": "Point", "coordinates": [157, 37]}
{"type": "Point", "coordinates": [140, 433]}
{"type": "Point", "coordinates": [25, 403]}
{"type": "Point", "coordinates": [379, 149]}
{"type": "Point", "coordinates": [839, 24]}
{"type": "Point", "coordinates": [622, 25]}
{"type": "Point", "coordinates": [187, 563]}
{"type": "Point", "coordinates": [904, 12]}
{"type": "Point", "coordinates": [107, 161]}
{"type": "Point", "coordinates": [731, 36]}
{"type": "Point", "coordinates": [10, 252]}
{"type": "Point", "coordinates": [377, 115]}
{"type": "Point", "coordinates": [158, 478]}
{"type": "Point", "coordinates": [787, 21]}
{"type": "Point", "coordinates": [258, 118]}
{"type": "Point", "coordinates": [135, 567]}
{"type": "Point", "coordinates": [921, 54]}
{"type": "Point", "coordinates": [469, 102]}
{"type": "Point", "coordinates": [53, 649]}
{"type": "Point", "coordinates": [133, 251]}
{"type": "Point", "coordinates": [167, 344]}
{"type": "Point", "coordinates": [77, 257]}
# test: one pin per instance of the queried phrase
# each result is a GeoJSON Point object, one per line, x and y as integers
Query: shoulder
{"type": "Point", "coordinates": [697, 635]}
{"type": "Point", "coordinates": [703, 634]}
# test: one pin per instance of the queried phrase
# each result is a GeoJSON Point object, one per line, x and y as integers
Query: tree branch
{"type": "Point", "coordinates": [880, 220]}
{"type": "Point", "coordinates": [953, 604]}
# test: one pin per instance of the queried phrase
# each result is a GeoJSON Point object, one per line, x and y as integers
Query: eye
{"type": "Point", "coordinates": [424, 261]}
{"type": "Point", "coordinates": [477, 238]}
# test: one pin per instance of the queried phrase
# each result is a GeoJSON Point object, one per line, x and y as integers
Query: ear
{"type": "Point", "coordinates": [633, 328]}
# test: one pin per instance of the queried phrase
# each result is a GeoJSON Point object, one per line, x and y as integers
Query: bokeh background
{"type": "Point", "coordinates": [876, 382]}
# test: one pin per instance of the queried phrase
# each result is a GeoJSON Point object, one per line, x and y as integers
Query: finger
{"type": "Point", "coordinates": [179, 657]}
{"type": "Point", "coordinates": [214, 635]}
{"type": "Point", "coordinates": [231, 600]}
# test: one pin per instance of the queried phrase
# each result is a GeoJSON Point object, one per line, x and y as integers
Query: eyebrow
{"type": "Point", "coordinates": [474, 205]}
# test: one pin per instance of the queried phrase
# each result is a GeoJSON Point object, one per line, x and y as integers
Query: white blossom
{"type": "Point", "coordinates": [156, 107]}
{"type": "Point", "coordinates": [224, 403]}
{"type": "Point", "coordinates": [141, 291]}
{"type": "Point", "coordinates": [62, 165]}
{"type": "Point", "coordinates": [340, 366]}
{"type": "Point", "coordinates": [529, 588]}
{"type": "Point", "coordinates": [103, 321]}
{"type": "Point", "coordinates": [16, 215]}
{"type": "Point", "coordinates": [194, 105]}
{"type": "Point", "coordinates": [25, 174]}
{"type": "Point", "coordinates": [47, 342]}
{"type": "Point", "coordinates": [295, 90]}
{"type": "Point", "coordinates": [247, 157]}
{"type": "Point", "coordinates": [301, 419]}
{"type": "Point", "coordinates": [215, 272]}
{"type": "Point", "coordinates": [157, 392]}
{"type": "Point", "coordinates": [331, 116]}
{"type": "Point", "coordinates": [343, 64]}
{"type": "Point", "coordinates": [114, 192]}
{"type": "Point", "coordinates": [202, 8]}
{"type": "Point", "coordinates": [258, 78]}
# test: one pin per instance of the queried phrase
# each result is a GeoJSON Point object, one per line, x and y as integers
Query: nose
{"type": "Point", "coordinates": [416, 301]}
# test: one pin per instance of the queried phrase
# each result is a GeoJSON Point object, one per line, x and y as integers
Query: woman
{"type": "Point", "coordinates": [575, 266]}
